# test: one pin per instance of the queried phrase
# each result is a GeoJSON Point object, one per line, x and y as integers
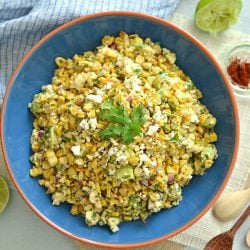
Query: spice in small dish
{"type": "Point", "coordinates": [240, 72]}
{"type": "Point", "coordinates": [238, 69]}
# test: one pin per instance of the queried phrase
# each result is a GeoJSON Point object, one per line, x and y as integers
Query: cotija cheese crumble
{"type": "Point", "coordinates": [119, 132]}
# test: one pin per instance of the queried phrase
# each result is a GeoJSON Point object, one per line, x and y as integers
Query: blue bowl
{"type": "Point", "coordinates": [36, 69]}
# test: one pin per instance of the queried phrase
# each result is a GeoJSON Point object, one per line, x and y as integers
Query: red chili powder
{"type": "Point", "coordinates": [239, 71]}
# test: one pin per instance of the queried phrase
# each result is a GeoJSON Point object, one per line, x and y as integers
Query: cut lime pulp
{"type": "Point", "coordinates": [4, 194]}
{"type": "Point", "coordinates": [217, 15]}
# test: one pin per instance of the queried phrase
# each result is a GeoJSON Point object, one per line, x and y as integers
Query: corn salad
{"type": "Point", "coordinates": [109, 180]}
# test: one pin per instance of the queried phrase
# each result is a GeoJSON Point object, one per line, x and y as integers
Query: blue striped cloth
{"type": "Point", "coordinates": [24, 22]}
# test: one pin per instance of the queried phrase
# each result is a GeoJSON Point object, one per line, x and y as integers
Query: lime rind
{"type": "Point", "coordinates": [201, 4]}
{"type": "Point", "coordinates": [217, 15]}
{"type": "Point", "coordinates": [4, 194]}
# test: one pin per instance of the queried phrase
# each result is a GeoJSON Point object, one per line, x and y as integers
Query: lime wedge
{"type": "Point", "coordinates": [217, 15]}
{"type": "Point", "coordinates": [4, 194]}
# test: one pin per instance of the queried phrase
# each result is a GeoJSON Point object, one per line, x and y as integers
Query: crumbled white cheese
{"type": "Point", "coordinates": [143, 157]}
{"type": "Point", "coordinates": [146, 171]}
{"type": "Point", "coordinates": [57, 198]}
{"type": "Point", "coordinates": [92, 218]}
{"type": "Point", "coordinates": [93, 197]}
{"type": "Point", "coordinates": [113, 223]}
{"type": "Point", "coordinates": [154, 163]}
{"type": "Point", "coordinates": [171, 134]}
{"type": "Point", "coordinates": [172, 80]}
{"type": "Point", "coordinates": [84, 124]}
{"type": "Point", "coordinates": [112, 151]}
{"type": "Point", "coordinates": [129, 66]}
{"type": "Point", "coordinates": [109, 85]}
{"type": "Point", "coordinates": [133, 83]}
{"type": "Point", "coordinates": [152, 129]}
{"type": "Point", "coordinates": [157, 115]}
{"type": "Point", "coordinates": [155, 206]}
{"type": "Point", "coordinates": [76, 150]}
{"type": "Point", "coordinates": [95, 98]}
{"type": "Point", "coordinates": [99, 92]}
{"type": "Point", "coordinates": [93, 122]}
{"type": "Point", "coordinates": [194, 118]}
{"type": "Point", "coordinates": [111, 171]}
{"type": "Point", "coordinates": [79, 81]}
{"type": "Point", "coordinates": [121, 158]}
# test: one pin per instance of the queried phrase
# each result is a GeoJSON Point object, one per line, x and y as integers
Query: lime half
{"type": "Point", "coordinates": [4, 194]}
{"type": "Point", "coordinates": [217, 15]}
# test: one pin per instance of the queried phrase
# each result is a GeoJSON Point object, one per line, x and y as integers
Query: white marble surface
{"type": "Point", "coordinates": [21, 229]}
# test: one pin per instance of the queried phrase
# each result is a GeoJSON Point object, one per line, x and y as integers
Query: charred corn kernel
{"type": "Point", "coordinates": [197, 164]}
{"type": "Point", "coordinates": [70, 157]}
{"type": "Point", "coordinates": [183, 162]}
{"type": "Point", "coordinates": [60, 61]}
{"type": "Point", "coordinates": [35, 172]}
{"type": "Point", "coordinates": [47, 173]}
{"type": "Point", "coordinates": [51, 157]}
{"type": "Point", "coordinates": [200, 129]}
{"type": "Point", "coordinates": [212, 137]}
{"type": "Point", "coordinates": [41, 182]}
{"type": "Point", "coordinates": [156, 70]}
{"type": "Point", "coordinates": [88, 146]}
{"type": "Point", "coordinates": [74, 210]}
{"type": "Point", "coordinates": [80, 176]}
{"type": "Point", "coordinates": [134, 160]}
{"type": "Point", "coordinates": [128, 218]}
{"type": "Point", "coordinates": [71, 172]}
{"type": "Point", "coordinates": [59, 152]}
{"type": "Point", "coordinates": [111, 53]}
{"type": "Point", "coordinates": [35, 146]}
{"type": "Point", "coordinates": [139, 59]}
{"type": "Point", "coordinates": [137, 40]}
{"type": "Point", "coordinates": [108, 193]}
{"type": "Point", "coordinates": [72, 121]}
{"type": "Point", "coordinates": [94, 163]}
{"type": "Point", "coordinates": [107, 40]}
{"type": "Point", "coordinates": [79, 161]}
{"type": "Point", "coordinates": [91, 114]}
{"type": "Point", "coordinates": [113, 202]}
{"type": "Point", "coordinates": [146, 65]}
{"type": "Point", "coordinates": [208, 163]}
{"type": "Point", "coordinates": [58, 130]}
{"type": "Point", "coordinates": [63, 160]}
{"type": "Point", "coordinates": [116, 214]}
{"type": "Point", "coordinates": [99, 125]}
{"type": "Point", "coordinates": [203, 119]}
{"type": "Point", "coordinates": [88, 106]}
{"type": "Point", "coordinates": [104, 203]}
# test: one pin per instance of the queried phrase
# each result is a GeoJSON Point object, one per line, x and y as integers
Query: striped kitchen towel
{"type": "Point", "coordinates": [24, 22]}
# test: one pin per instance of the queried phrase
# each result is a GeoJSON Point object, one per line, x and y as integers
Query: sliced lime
{"type": "Point", "coordinates": [217, 15]}
{"type": "Point", "coordinates": [4, 194]}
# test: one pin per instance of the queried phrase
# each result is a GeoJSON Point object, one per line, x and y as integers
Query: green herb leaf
{"type": "Point", "coordinates": [121, 125]}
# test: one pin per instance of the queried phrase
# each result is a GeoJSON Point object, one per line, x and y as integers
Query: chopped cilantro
{"type": "Point", "coordinates": [121, 125]}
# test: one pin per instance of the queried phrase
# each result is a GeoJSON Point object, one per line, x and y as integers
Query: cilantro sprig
{"type": "Point", "coordinates": [121, 124]}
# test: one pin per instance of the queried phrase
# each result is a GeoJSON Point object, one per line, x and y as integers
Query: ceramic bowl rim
{"type": "Point", "coordinates": [178, 30]}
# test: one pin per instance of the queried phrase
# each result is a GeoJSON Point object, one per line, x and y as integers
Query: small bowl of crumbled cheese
{"type": "Point", "coordinates": [127, 129]}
